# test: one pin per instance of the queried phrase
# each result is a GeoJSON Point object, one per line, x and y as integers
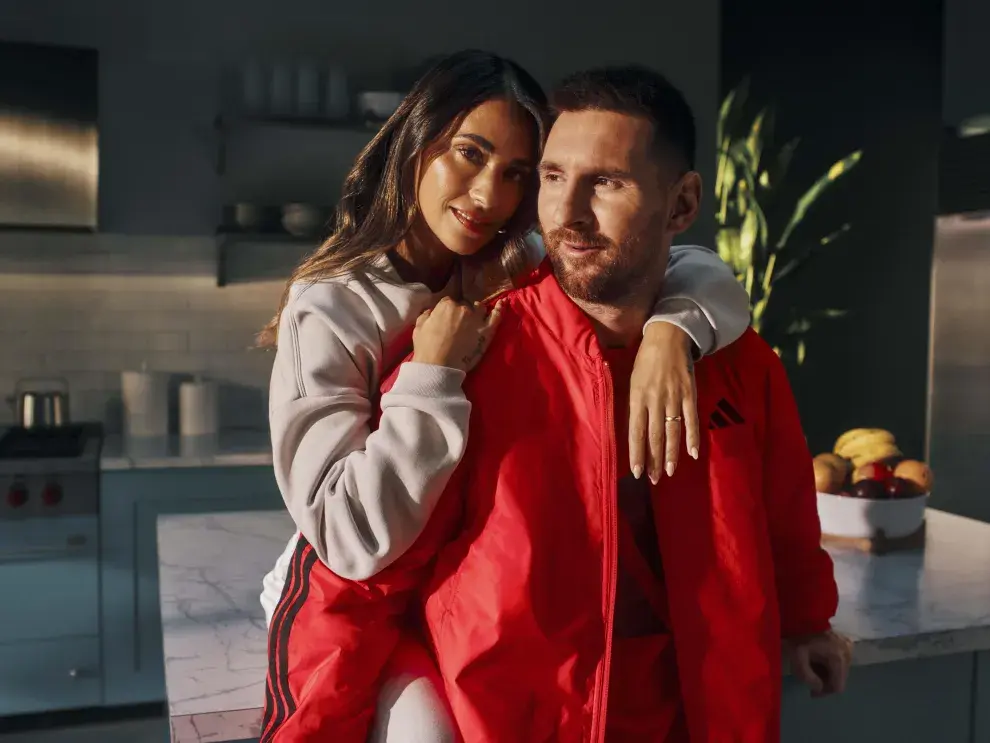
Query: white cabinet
{"type": "Point", "coordinates": [48, 675]}
{"type": "Point", "coordinates": [131, 502]}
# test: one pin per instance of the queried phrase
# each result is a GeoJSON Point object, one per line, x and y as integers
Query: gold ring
{"type": "Point", "coordinates": [672, 418]}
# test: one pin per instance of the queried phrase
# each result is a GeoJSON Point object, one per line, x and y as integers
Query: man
{"type": "Point", "coordinates": [563, 600]}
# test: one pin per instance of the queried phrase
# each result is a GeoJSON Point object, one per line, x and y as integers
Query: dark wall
{"type": "Point", "coordinates": [844, 79]}
{"type": "Point", "coordinates": [161, 62]}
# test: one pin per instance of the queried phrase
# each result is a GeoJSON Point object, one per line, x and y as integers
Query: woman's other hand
{"type": "Point", "coordinates": [455, 334]}
{"type": "Point", "coordinates": [663, 403]}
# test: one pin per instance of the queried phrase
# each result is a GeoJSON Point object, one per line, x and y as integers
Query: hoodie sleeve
{"type": "Point", "coordinates": [360, 497]}
{"type": "Point", "coordinates": [702, 297]}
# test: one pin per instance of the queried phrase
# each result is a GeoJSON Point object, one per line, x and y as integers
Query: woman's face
{"type": "Point", "coordinates": [473, 186]}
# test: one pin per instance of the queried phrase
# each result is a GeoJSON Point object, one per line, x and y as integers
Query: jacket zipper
{"type": "Point", "coordinates": [611, 553]}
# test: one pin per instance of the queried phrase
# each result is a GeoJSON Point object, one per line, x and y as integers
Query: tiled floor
{"type": "Point", "coordinates": [131, 731]}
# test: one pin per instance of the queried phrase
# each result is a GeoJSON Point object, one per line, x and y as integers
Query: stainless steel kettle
{"type": "Point", "coordinates": [41, 403]}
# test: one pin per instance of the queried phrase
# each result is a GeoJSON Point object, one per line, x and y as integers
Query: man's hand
{"type": "Point", "coordinates": [821, 661]}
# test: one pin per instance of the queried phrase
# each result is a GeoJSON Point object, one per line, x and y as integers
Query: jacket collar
{"type": "Point", "coordinates": [545, 301]}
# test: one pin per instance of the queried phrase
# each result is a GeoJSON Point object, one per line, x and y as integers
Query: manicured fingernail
{"type": "Point", "coordinates": [694, 452]}
{"type": "Point", "coordinates": [654, 477]}
{"type": "Point", "coordinates": [637, 471]}
{"type": "Point", "coordinates": [670, 469]}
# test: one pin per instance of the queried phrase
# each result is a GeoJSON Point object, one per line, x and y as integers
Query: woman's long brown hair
{"type": "Point", "coordinates": [378, 202]}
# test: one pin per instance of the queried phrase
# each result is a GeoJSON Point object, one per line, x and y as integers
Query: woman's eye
{"type": "Point", "coordinates": [471, 154]}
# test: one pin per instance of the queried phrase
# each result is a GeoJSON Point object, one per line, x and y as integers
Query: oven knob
{"type": "Point", "coordinates": [17, 496]}
{"type": "Point", "coordinates": [51, 495]}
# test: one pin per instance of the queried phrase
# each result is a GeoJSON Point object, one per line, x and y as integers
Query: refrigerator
{"type": "Point", "coordinates": [958, 420]}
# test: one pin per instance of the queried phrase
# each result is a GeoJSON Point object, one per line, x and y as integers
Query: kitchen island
{"type": "Point", "coordinates": [920, 622]}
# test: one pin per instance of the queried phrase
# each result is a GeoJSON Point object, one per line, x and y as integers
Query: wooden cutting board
{"type": "Point", "coordinates": [878, 544]}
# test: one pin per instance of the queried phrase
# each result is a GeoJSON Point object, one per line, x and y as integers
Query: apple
{"type": "Point", "coordinates": [870, 489]}
{"type": "Point", "coordinates": [917, 472]}
{"type": "Point", "coordinates": [877, 471]}
{"type": "Point", "coordinates": [899, 487]}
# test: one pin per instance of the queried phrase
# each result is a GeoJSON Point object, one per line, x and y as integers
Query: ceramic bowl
{"type": "Point", "coordinates": [845, 516]}
{"type": "Point", "coordinates": [301, 220]}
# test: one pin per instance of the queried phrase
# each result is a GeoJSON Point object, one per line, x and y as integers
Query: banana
{"type": "Point", "coordinates": [855, 433]}
{"type": "Point", "coordinates": [851, 434]}
{"type": "Point", "coordinates": [865, 442]}
{"type": "Point", "coordinates": [875, 453]}
{"type": "Point", "coordinates": [851, 442]}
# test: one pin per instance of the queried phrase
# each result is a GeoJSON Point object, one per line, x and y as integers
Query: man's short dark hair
{"type": "Point", "coordinates": [637, 91]}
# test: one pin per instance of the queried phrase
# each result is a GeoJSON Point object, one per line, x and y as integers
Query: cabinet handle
{"type": "Point", "coordinates": [80, 673]}
{"type": "Point", "coordinates": [73, 544]}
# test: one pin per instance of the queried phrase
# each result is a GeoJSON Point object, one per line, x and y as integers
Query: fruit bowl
{"type": "Point", "coordinates": [867, 488]}
{"type": "Point", "coordinates": [845, 516]}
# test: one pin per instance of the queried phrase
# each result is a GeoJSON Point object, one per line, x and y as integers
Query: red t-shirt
{"type": "Point", "coordinates": [644, 666]}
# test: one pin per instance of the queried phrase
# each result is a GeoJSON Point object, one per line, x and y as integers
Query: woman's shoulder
{"type": "Point", "coordinates": [374, 284]}
{"type": "Point", "coordinates": [360, 313]}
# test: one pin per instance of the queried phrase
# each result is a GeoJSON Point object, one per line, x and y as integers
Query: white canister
{"type": "Point", "coordinates": [254, 87]}
{"type": "Point", "coordinates": [198, 408]}
{"type": "Point", "coordinates": [337, 100]}
{"type": "Point", "coordinates": [307, 89]}
{"type": "Point", "coordinates": [282, 93]}
{"type": "Point", "coordinates": [145, 397]}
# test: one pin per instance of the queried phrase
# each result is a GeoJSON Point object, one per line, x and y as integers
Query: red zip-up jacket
{"type": "Point", "coordinates": [514, 576]}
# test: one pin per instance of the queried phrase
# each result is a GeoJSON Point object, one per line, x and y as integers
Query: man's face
{"type": "Point", "coordinates": [609, 206]}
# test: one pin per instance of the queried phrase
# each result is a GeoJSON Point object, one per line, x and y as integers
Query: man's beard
{"type": "Point", "coordinates": [616, 275]}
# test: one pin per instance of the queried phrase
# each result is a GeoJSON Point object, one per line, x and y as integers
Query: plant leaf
{"type": "Point", "coordinates": [732, 105]}
{"type": "Point", "coordinates": [811, 195]}
{"type": "Point", "coordinates": [798, 327]}
{"type": "Point", "coordinates": [797, 262]}
{"type": "Point", "coordinates": [721, 125]}
{"type": "Point", "coordinates": [747, 175]}
{"type": "Point", "coordinates": [727, 242]}
{"type": "Point", "coordinates": [754, 142]}
{"type": "Point", "coordinates": [777, 171]}
{"type": "Point", "coordinates": [833, 236]}
{"type": "Point", "coordinates": [801, 352]}
{"type": "Point", "coordinates": [726, 185]}
{"type": "Point", "coordinates": [748, 233]}
{"type": "Point", "coordinates": [759, 308]}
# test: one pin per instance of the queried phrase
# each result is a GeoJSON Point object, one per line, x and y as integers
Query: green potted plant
{"type": "Point", "coordinates": [764, 252]}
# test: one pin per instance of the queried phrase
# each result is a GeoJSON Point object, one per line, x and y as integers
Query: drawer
{"type": "Point", "coordinates": [50, 675]}
{"type": "Point", "coordinates": [49, 579]}
{"type": "Point", "coordinates": [50, 598]}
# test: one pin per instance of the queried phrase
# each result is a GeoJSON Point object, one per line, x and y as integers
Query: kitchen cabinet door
{"type": "Point", "coordinates": [49, 675]}
{"type": "Point", "coordinates": [133, 662]}
{"type": "Point", "coordinates": [922, 700]}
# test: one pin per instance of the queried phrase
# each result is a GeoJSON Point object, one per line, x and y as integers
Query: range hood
{"type": "Point", "coordinates": [49, 144]}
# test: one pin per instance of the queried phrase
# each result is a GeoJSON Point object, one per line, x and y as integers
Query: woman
{"type": "Point", "coordinates": [436, 209]}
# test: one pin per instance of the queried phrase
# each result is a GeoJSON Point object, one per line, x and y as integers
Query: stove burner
{"type": "Point", "coordinates": [42, 443]}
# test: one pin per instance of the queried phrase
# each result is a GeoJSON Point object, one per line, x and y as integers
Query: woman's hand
{"type": "Point", "coordinates": [454, 334]}
{"type": "Point", "coordinates": [662, 401]}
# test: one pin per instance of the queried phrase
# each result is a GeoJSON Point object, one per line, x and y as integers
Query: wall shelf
{"type": "Point", "coordinates": [286, 133]}
{"type": "Point", "coordinates": [244, 257]}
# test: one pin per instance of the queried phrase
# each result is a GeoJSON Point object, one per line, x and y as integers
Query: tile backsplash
{"type": "Point", "coordinates": [87, 328]}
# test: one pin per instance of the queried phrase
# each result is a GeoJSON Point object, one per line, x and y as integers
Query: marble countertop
{"type": "Point", "coordinates": [894, 607]}
{"type": "Point", "coordinates": [227, 449]}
